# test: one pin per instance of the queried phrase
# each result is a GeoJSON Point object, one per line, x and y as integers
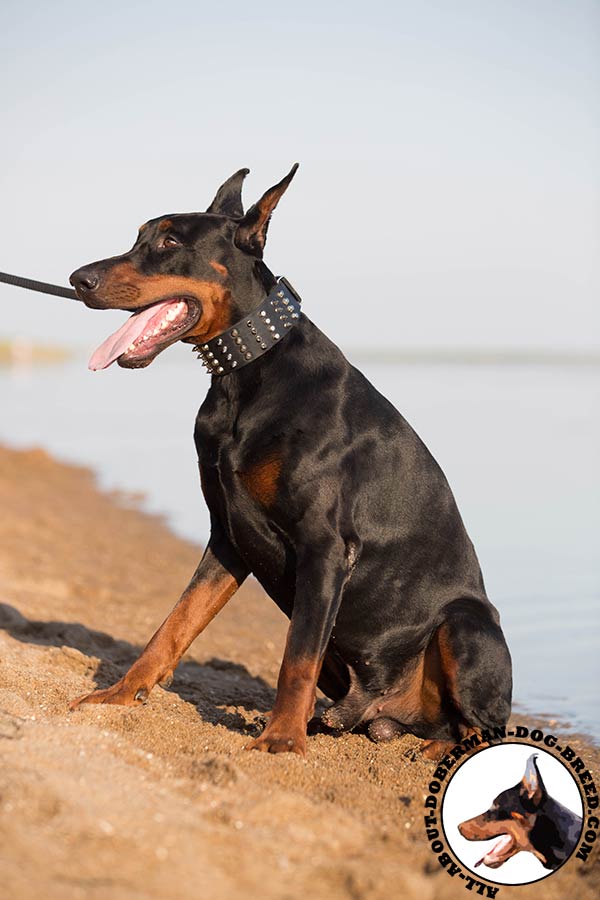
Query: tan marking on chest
{"type": "Point", "coordinates": [261, 480]}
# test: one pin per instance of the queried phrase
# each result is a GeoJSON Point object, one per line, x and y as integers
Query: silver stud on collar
{"type": "Point", "coordinates": [215, 354]}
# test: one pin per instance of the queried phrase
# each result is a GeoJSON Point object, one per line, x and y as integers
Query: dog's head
{"type": "Point", "coordinates": [184, 277]}
{"type": "Point", "coordinates": [511, 817]}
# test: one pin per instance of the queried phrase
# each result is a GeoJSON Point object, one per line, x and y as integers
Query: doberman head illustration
{"type": "Point", "coordinates": [526, 818]}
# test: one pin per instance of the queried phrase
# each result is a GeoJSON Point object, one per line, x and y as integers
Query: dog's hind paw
{"type": "Point", "coordinates": [338, 719]}
{"type": "Point", "coordinates": [434, 750]}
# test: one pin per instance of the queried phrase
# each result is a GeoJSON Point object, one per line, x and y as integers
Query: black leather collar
{"type": "Point", "coordinates": [255, 334]}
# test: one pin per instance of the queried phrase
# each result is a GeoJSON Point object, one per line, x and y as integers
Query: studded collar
{"type": "Point", "coordinates": [255, 334]}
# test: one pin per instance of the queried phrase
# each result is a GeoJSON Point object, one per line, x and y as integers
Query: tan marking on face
{"type": "Point", "coordinates": [164, 225]}
{"type": "Point", "coordinates": [477, 829]}
{"type": "Point", "coordinates": [219, 268]}
{"type": "Point", "coordinates": [142, 227]}
{"type": "Point", "coordinates": [127, 288]}
{"type": "Point", "coordinates": [261, 480]}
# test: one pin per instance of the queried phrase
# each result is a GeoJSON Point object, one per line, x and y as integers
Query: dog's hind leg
{"type": "Point", "coordinates": [217, 577]}
{"type": "Point", "coordinates": [477, 671]}
{"type": "Point", "coordinates": [476, 663]}
{"type": "Point", "coordinates": [458, 686]}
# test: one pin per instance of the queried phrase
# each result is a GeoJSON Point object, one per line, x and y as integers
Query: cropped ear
{"type": "Point", "coordinates": [228, 199]}
{"type": "Point", "coordinates": [533, 791]}
{"type": "Point", "coordinates": [251, 233]}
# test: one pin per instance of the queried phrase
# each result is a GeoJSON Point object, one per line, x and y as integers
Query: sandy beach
{"type": "Point", "coordinates": [163, 801]}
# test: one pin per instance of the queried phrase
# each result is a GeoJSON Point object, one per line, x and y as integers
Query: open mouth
{"type": "Point", "coordinates": [146, 333]}
{"type": "Point", "coordinates": [499, 853]}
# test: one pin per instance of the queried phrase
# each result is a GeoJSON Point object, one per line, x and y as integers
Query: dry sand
{"type": "Point", "coordinates": [163, 801]}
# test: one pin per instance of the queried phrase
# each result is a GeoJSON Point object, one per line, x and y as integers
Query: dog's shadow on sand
{"type": "Point", "coordinates": [218, 688]}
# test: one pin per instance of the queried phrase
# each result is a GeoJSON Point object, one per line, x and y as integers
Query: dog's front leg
{"type": "Point", "coordinates": [217, 577]}
{"type": "Point", "coordinates": [321, 572]}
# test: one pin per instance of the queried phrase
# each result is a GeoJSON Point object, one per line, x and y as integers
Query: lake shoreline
{"type": "Point", "coordinates": [154, 801]}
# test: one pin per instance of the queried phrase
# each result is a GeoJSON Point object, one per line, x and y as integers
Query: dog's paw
{"type": "Point", "coordinates": [121, 694]}
{"type": "Point", "coordinates": [279, 740]}
{"type": "Point", "coordinates": [434, 750]}
{"type": "Point", "coordinates": [334, 718]}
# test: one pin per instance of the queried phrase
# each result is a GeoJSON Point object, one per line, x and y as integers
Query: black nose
{"type": "Point", "coordinates": [85, 280]}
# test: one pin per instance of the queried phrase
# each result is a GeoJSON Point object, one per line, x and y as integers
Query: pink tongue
{"type": "Point", "coordinates": [118, 342]}
{"type": "Point", "coordinates": [492, 855]}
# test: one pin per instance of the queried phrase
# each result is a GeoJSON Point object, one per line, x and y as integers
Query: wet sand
{"type": "Point", "coordinates": [163, 801]}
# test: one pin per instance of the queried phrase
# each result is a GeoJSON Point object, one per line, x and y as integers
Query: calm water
{"type": "Point", "coordinates": [520, 446]}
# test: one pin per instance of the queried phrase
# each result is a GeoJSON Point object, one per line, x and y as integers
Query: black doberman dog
{"type": "Point", "coordinates": [527, 818]}
{"type": "Point", "coordinates": [315, 484]}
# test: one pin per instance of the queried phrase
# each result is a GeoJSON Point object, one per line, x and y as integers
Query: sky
{"type": "Point", "coordinates": [449, 189]}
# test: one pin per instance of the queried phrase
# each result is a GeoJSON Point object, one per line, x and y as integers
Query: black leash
{"type": "Point", "coordinates": [244, 342]}
{"type": "Point", "coordinates": [40, 286]}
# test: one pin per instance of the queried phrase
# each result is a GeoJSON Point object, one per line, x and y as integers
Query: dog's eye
{"type": "Point", "coordinates": [170, 241]}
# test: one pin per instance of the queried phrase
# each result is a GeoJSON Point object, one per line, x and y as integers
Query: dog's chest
{"type": "Point", "coordinates": [240, 489]}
